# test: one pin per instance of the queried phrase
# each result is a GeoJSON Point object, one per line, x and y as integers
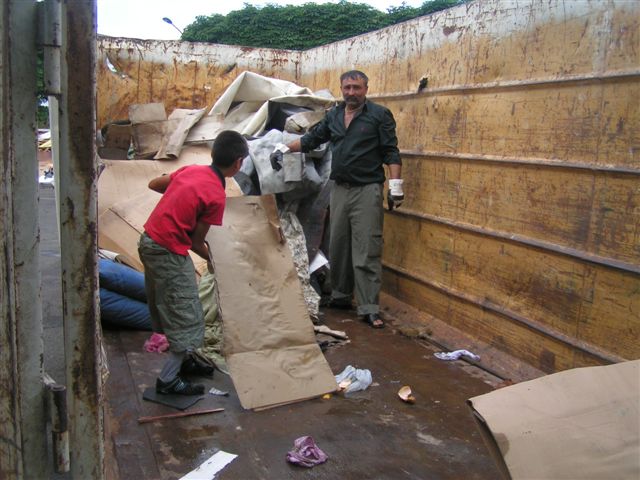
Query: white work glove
{"type": "Point", "coordinates": [395, 195]}
{"type": "Point", "coordinates": [276, 156]}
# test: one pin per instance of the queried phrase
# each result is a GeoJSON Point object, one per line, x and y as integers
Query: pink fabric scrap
{"type": "Point", "coordinates": [306, 453]}
{"type": "Point", "coordinates": [156, 343]}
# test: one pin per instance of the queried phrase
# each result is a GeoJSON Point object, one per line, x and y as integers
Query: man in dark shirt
{"type": "Point", "coordinates": [363, 138]}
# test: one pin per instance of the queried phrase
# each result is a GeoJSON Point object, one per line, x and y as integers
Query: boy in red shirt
{"type": "Point", "coordinates": [193, 199]}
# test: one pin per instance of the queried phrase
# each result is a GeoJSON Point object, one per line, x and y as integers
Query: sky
{"type": "Point", "coordinates": [143, 18]}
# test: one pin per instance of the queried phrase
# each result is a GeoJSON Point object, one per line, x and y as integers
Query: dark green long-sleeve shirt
{"type": "Point", "coordinates": [358, 152]}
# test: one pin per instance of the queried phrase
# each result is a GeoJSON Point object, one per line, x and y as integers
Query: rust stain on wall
{"type": "Point", "coordinates": [178, 74]}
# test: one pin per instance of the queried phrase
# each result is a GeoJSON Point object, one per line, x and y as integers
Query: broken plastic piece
{"type": "Point", "coordinates": [405, 394]}
{"type": "Point", "coordinates": [456, 355]}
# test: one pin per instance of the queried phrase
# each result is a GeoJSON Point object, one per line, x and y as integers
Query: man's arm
{"type": "Point", "coordinates": [160, 184]}
{"type": "Point", "coordinates": [395, 170]}
{"type": "Point", "coordinates": [389, 146]}
{"type": "Point", "coordinates": [295, 146]}
{"type": "Point", "coordinates": [198, 236]}
{"type": "Point", "coordinates": [316, 136]}
{"type": "Point", "coordinates": [389, 143]}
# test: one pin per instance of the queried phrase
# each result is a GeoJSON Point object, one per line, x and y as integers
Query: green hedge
{"type": "Point", "coordinates": [301, 27]}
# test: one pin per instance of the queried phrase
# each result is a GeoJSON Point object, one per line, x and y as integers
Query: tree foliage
{"type": "Point", "coordinates": [42, 114]}
{"type": "Point", "coordinates": [302, 27]}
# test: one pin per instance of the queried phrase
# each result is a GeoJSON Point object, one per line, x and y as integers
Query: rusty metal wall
{"type": "Point", "coordinates": [180, 74]}
{"type": "Point", "coordinates": [521, 224]}
{"type": "Point", "coordinates": [521, 159]}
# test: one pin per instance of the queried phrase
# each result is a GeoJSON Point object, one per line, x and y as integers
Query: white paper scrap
{"type": "Point", "coordinates": [456, 355]}
{"type": "Point", "coordinates": [215, 391]}
{"type": "Point", "coordinates": [208, 469]}
{"type": "Point", "coordinates": [318, 261]}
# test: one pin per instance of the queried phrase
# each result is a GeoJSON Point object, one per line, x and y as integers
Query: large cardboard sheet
{"type": "Point", "coordinates": [149, 127]}
{"type": "Point", "coordinates": [269, 341]}
{"type": "Point", "coordinates": [125, 201]}
{"type": "Point", "coordinates": [577, 424]}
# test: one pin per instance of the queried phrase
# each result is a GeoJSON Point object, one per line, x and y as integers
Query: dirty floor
{"type": "Point", "coordinates": [368, 434]}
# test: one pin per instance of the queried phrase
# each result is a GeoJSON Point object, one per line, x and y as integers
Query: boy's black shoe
{"type": "Point", "coordinates": [178, 386]}
{"type": "Point", "coordinates": [191, 366]}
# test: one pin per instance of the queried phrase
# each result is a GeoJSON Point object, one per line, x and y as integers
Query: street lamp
{"type": "Point", "coordinates": [168, 20]}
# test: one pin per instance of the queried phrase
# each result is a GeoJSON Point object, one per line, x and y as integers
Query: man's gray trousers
{"type": "Point", "coordinates": [355, 248]}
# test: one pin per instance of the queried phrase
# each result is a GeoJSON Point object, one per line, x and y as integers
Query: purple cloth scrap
{"type": "Point", "coordinates": [306, 453]}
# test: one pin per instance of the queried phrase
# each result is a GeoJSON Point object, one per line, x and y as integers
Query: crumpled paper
{"type": "Point", "coordinates": [156, 343]}
{"type": "Point", "coordinates": [455, 355]}
{"type": "Point", "coordinates": [306, 453]}
{"type": "Point", "coordinates": [358, 379]}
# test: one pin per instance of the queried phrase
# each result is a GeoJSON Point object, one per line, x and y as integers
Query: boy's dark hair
{"type": "Point", "coordinates": [228, 147]}
{"type": "Point", "coordinates": [354, 75]}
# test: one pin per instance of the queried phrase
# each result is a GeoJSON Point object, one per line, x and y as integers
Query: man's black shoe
{"type": "Point", "coordinates": [193, 367]}
{"type": "Point", "coordinates": [178, 386]}
{"type": "Point", "coordinates": [373, 320]}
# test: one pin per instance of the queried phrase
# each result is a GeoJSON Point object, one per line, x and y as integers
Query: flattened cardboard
{"type": "Point", "coordinates": [123, 179]}
{"type": "Point", "coordinates": [149, 125]}
{"type": "Point", "coordinates": [116, 235]}
{"type": "Point", "coordinates": [582, 423]}
{"type": "Point", "coordinates": [118, 136]}
{"type": "Point", "coordinates": [125, 201]}
{"type": "Point", "coordinates": [269, 340]}
{"type": "Point", "coordinates": [120, 227]}
{"type": "Point", "coordinates": [206, 129]}
{"type": "Point", "coordinates": [178, 125]}
{"type": "Point", "coordinates": [146, 112]}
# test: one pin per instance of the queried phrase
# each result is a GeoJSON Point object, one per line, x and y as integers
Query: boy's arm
{"type": "Point", "coordinates": [198, 236]}
{"type": "Point", "coordinates": [160, 184]}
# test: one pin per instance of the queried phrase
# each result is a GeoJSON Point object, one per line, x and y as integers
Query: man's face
{"type": "Point", "coordinates": [354, 91]}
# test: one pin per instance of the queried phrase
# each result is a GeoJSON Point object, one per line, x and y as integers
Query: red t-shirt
{"type": "Point", "coordinates": [195, 194]}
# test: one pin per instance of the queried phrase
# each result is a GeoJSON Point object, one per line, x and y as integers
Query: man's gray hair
{"type": "Point", "coordinates": [354, 75]}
